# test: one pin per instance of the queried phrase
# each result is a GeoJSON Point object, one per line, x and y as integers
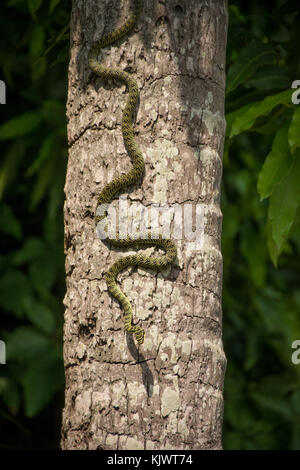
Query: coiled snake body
{"type": "Point", "coordinates": [124, 182]}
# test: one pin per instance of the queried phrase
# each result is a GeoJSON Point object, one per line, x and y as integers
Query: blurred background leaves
{"type": "Point", "coordinates": [34, 59]}
{"type": "Point", "coordinates": [260, 203]}
{"type": "Point", "coordinates": [261, 226]}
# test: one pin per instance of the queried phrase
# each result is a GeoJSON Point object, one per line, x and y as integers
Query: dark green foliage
{"type": "Point", "coordinates": [261, 197]}
{"type": "Point", "coordinates": [261, 227]}
{"type": "Point", "coordinates": [34, 60]}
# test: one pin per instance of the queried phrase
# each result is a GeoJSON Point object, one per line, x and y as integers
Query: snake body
{"type": "Point", "coordinates": [124, 182]}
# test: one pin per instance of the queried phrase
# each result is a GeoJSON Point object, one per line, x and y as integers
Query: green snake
{"type": "Point", "coordinates": [124, 182]}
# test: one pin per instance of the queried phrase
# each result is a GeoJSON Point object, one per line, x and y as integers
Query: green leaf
{"type": "Point", "coordinates": [33, 6]}
{"type": "Point", "coordinates": [231, 117]}
{"type": "Point", "coordinates": [36, 45]}
{"type": "Point", "coordinates": [53, 110]}
{"type": "Point", "coordinates": [294, 130]}
{"type": "Point", "coordinates": [253, 56]}
{"type": "Point", "coordinates": [238, 100]}
{"type": "Point", "coordinates": [278, 405]}
{"type": "Point", "coordinates": [234, 440]}
{"type": "Point", "coordinates": [43, 154]}
{"type": "Point", "coordinates": [295, 444]}
{"type": "Point", "coordinates": [39, 314]}
{"type": "Point", "coordinates": [62, 36]}
{"type": "Point", "coordinates": [253, 249]}
{"type": "Point", "coordinates": [10, 166]}
{"type": "Point", "coordinates": [26, 342]}
{"type": "Point", "coordinates": [36, 49]}
{"type": "Point", "coordinates": [53, 4]}
{"type": "Point", "coordinates": [246, 120]}
{"type": "Point", "coordinates": [295, 400]}
{"type": "Point", "coordinates": [13, 287]}
{"type": "Point", "coordinates": [9, 223]}
{"type": "Point", "coordinates": [268, 127]}
{"type": "Point", "coordinates": [10, 394]}
{"type": "Point", "coordinates": [21, 125]}
{"type": "Point", "coordinates": [42, 273]}
{"type": "Point", "coordinates": [272, 247]}
{"type": "Point", "coordinates": [284, 202]}
{"type": "Point", "coordinates": [39, 68]}
{"type": "Point", "coordinates": [269, 78]}
{"type": "Point", "coordinates": [277, 164]}
{"type": "Point", "coordinates": [56, 196]}
{"type": "Point", "coordinates": [42, 380]}
{"type": "Point", "coordinates": [45, 178]}
{"type": "Point", "coordinates": [252, 352]}
{"type": "Point", "coordinates": [274, 311]}
{"type": "Point", "coordinates": [33, 248]}
{"type": "Point", "coordinates": [14, 2]}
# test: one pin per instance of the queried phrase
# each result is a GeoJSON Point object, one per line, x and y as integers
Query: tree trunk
{"type": "Point", "coordinates": [166, 393]}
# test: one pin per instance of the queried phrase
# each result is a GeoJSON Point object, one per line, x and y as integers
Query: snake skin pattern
{"type": "Point", "coordinates": [124, 182]}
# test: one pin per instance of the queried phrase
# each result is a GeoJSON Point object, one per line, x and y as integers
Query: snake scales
{"type": "Point", "coordinates": [124, 182]}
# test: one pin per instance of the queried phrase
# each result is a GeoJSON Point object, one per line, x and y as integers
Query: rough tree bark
{"type": "Point", "coordinates": [166, 394]}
